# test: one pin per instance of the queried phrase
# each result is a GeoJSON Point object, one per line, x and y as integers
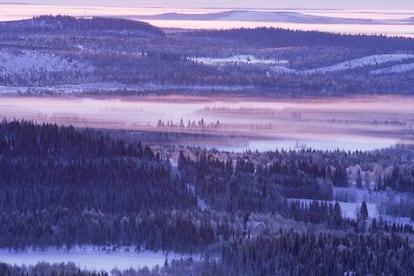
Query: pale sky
{"type": "Point", "coordinates": [274, 4]}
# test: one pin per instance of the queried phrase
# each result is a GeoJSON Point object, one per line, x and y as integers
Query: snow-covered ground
{"type": "Point", "coordinates": [201, 204]}
{"type": "Point", "coordinates": [29, 62]}
{"type": "Point", "coordinates": [282, 70]}
{"type": "Point", "coordinates": [280, 66]}
{"type": "Point", "coordinates": [400, 68]}
{"type": "Point", "coordinates": [360, 62]}
{"type": "Point", "coordinates": [347, 144]}
{"type": "Point", "coordinates": [238, 59]}
{"type": "Point", "coordinates": [91, 258]}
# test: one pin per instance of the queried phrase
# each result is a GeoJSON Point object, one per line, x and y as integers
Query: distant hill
{"type": "Point", "coordinates": [68, 23]}
{"type": "Point", "coordinates": [254, 16]}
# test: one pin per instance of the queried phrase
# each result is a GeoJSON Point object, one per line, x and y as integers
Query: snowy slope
{"type": "Point", "coordinates": [400, 68]}
{"type": "Point", "coordinates": [237, 59]}
{"type": "Point", "coordinates": [29, 62]}
{"type": "Point", "coordinates": [282, 70]}
{"type": "Point", "coordinates": [279, 66]}
{"type": "Point", "coordinates": [360, 62]}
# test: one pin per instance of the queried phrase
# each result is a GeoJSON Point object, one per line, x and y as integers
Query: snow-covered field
{"type": "Point", "coordinates": [346, 144]}
{"type": "Point", "coordinates": [400, 68]}
{"type": "Point", "coordinates": [238, 59]}
{"type": "Point", "coordinates": [280, 66]}
{"type": "Point", "coordinates": [91, 258]}
{"type": "Point", "coordinates": [29, 62]}
{"type": "Point", "coordinates": [361, 62]}
{"type": "Point", "coordinates": [283, 70]}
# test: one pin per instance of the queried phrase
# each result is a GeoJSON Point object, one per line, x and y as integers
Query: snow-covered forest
{"type": "Point", "coordinates": [242, 213]}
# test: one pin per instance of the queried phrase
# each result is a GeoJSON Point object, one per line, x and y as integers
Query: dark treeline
{"type": "Point", "coordinates": [292, 253]}
{"type": "Point", "coordinates": [72, 24]}
{"type": "Point", "coordinates": [64, 227]}
{"type": "Point", "coordinates": [275, 38]}
{"type": "Point", "coordinates": [317, 212]}
{"type": "Point", "coordinates": [82, 169]}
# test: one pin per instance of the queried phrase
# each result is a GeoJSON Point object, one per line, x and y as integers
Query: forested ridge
{"type": "Point", "coordinates": [116, 56]}
{"type": "Point", "coordinates": [63, 187]}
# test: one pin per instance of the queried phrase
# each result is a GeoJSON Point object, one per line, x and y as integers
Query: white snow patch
{"type": "Point", "coordinates": [201, 204]}
{"type": "Point", "coordinates": [279, 66]}
{"type": "Point", "coordinates": [28, 62]}
{"type": "Point", "coordinates": [91, 258]}
{"type": "Point", "coordinates": [282, 70]}
{"type": "Point", "coordinates": [350, 210]}
{"type": "Point", "coordinates": [400, 68]}
{"type": "Point", "coordinates": [238, 59]}
{"type": "Point", "coordinates": [346, 143]}
{"type": "Point", "coordinates": [360, 62]}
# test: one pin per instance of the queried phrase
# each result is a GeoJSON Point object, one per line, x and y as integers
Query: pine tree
{"type": "Point", "coordinates": [337, 214]}
{"type": "Point", "coordinates": [363, 211]}
{"type": "Point", "coordinates": [359, 179]}
{"type": "Point", "coordinates": [412, 214]}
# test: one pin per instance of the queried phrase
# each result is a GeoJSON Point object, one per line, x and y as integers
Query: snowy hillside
{"type": "Point", "coordinates": [400, 68]}
{"type": "Point", "coordinates": [279, 66]}
{"type": "Point", "coordinates": [361, 62]}
{"type": "Point", "coordinates": [29, 62]}
{"type": "Point", "coordinates": [238, 59]}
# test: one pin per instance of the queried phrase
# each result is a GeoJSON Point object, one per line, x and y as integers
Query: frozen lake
{"type": "Point", "coordinates": [231, 123]}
